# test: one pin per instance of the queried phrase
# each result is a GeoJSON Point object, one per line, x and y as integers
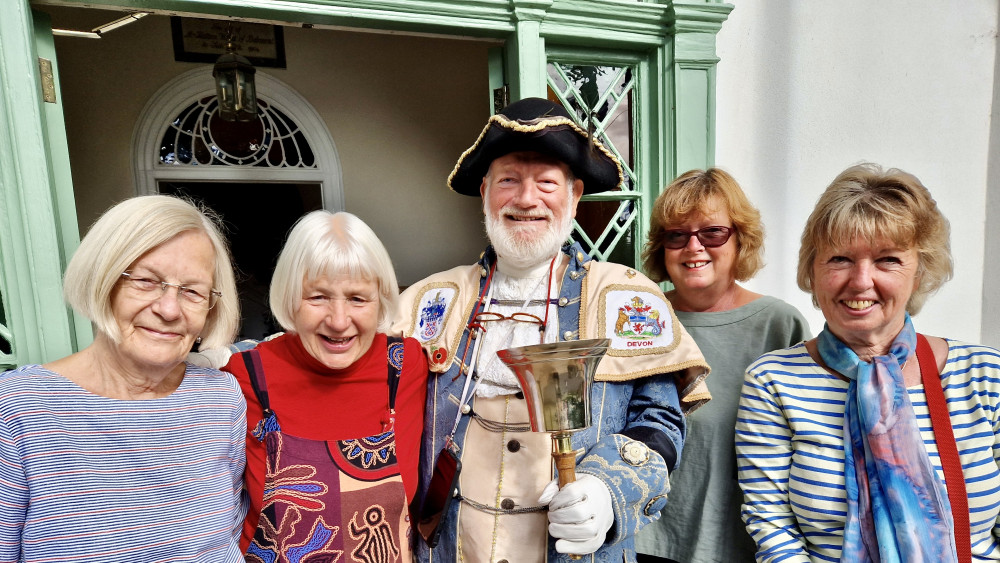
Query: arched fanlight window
{"type": "Point", "coordinates": [179, 137]}
{"type": "Point", "coordinates": [199, 136]}
{"type": "Point", "coordinates": [258, 176]}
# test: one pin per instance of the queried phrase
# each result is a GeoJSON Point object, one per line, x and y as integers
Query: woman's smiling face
{"type": "Point", "coordinates": [863, 289]}
{"type": "Point", "coordinates": [696, 267]}
{"type": "Point", "coordinates": [157, 328]}
{"type": "Point", "coordinates": [337, 319]}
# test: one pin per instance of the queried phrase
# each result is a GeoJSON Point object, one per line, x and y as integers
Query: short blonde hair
{"type": "Point", "coordinates": [690, 194]}
{"type": "Point", "coordinates": [125, 233]}
{"type": "Point", "coordinates": [866, 203]}
{"type": "Point", "coordinates": [324, 244]}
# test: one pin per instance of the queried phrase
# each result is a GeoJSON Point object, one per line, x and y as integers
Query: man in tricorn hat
{"type": "Point", "coordinates": [530, 165]}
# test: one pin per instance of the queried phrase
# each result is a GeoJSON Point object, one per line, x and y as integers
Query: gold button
{"type": "Point", "coordinates": [580, 257]}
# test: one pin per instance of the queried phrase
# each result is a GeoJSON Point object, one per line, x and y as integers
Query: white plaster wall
{"type": "Point", "coordinates": [806, 89]}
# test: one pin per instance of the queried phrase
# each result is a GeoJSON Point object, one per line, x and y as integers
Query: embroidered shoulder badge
{"type": "Point", "coordinates": [637, 320]}
{"type": "Point", "coordinates": [431, 312]}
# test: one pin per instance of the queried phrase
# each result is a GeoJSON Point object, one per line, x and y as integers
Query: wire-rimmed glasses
{"type": "Point", "coordinates": [493, 316]}
{"type": "Point", "coordinates": [189, 297]}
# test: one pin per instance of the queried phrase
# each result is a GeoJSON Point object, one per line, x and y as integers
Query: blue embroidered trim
{"type": "Point", "coordinates": [396, 355]}
{"type": "Point", "coordinates": [265, 426]}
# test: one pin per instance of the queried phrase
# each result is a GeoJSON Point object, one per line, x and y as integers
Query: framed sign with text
{"type": "Point", "coordinates": [203, 41]}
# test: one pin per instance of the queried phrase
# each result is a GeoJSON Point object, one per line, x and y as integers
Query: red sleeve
{"type": "Point", "coordinates": [410, 398]}
{"type": "Point", "coordinates": [253, 477]}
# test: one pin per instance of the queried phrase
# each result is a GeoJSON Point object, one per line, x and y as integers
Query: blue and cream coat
{"type": "Point", "coordinates": [651, 374]}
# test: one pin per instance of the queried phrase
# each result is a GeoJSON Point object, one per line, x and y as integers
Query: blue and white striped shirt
{"type": "Point", "coordinates": [790, 450]}
{"type": "Point", "coordinates": [87, 478]}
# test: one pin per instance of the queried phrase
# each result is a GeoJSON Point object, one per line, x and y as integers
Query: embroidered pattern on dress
{"type": "Point", "coordinates": [376, 543]}
{"type": "Point", "coordinates": [396, 355]}
{"type": "Point", "coordinates": [292, 486]}
{"type": "Point", "coordinates": [265, 426]}
{"type": "Point", "coordinates": [319, 541]}
{"type": "Point", "coordinates": [372, 452]}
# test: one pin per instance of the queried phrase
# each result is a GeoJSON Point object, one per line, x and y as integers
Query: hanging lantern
{"type": "Point", "coordinates": [234, 86]}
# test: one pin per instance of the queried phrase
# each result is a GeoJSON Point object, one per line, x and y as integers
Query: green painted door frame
{"type": "Point", "coordinates": [38, 230]}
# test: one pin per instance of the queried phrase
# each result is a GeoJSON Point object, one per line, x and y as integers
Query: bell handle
{"type": "Point", "coordinates": [566, 464]}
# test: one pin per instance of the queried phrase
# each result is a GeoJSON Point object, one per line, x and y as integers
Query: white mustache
{"type": "Point", "coordinates": [536, 214]}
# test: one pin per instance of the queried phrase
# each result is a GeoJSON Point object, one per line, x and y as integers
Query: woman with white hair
{"type": "Point", "coordinates": [122, 451]}
{"type": "Point", "coordinates": [334, 406]}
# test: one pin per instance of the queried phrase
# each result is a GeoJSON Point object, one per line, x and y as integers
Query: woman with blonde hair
{"type": "Point", "coordinates": [871, 441]}
{"type": "Point", "coordinates": [122, 451]}
{"type": "Point", "coordinates": [706, 236]}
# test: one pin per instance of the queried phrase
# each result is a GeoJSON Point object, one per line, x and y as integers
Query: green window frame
{"type": "Point", "coordinates": [607, 92]}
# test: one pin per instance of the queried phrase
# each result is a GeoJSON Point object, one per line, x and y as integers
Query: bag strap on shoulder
{"type": "Point", "coordinates": [947, 448]}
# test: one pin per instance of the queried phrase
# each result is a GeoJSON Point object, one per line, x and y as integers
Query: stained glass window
{"type": "Point", "coordinates": [198, 136]}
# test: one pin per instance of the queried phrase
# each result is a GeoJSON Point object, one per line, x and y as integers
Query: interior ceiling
{"type": "Point", "coordinates": [79, 19]}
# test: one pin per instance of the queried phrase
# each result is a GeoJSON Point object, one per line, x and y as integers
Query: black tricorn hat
{"type": "Point", "coordinates": [537, 125]}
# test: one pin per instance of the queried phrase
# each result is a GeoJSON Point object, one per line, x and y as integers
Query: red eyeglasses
{"type": "Point", "coordinates": [709, 237]}
{"type": "Point", "coordinates": [491, 316]}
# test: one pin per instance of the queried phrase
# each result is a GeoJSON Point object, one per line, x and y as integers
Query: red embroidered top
{"type": "Point", "coordinates": [315, 402]}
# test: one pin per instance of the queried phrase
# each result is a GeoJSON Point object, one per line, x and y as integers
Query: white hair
{"type": "Point", "coordinates": [324, 244]}
{"type": "Point", "coordinates": [125, 233]}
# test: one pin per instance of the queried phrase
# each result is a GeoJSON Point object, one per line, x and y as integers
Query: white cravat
{"type": "Point", "coordinates": [513, 287]}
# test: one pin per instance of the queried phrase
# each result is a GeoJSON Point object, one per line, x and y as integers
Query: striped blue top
{"type": "Point", "coordinates": [86, 478]}
{"type": "Point", "coordinates": [790, 453]}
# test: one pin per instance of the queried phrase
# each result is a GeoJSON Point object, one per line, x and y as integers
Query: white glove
{"type": "Point", "coordinates": [580, 514]}
{"type": "Point", "coordinates": [214, 358]}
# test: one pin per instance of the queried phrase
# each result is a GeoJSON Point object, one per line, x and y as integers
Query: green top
{"type": "Point", "coordinates": [701, 521]}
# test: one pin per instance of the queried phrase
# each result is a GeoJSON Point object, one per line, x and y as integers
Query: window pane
{"type": "Point", "coordinates": [600, 97]}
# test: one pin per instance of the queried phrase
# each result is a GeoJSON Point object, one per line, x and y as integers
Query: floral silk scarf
{"type": "Point", "coordinates": [897, 508]}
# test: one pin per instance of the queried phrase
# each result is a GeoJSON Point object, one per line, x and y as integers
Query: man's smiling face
{"type": "Point", "coordinates": [529, 200]}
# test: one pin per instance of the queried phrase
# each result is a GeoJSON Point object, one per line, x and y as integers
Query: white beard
{"type": "Point", "coordinates": [523, 251]}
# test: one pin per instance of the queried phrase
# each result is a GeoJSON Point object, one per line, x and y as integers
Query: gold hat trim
{"type": "Point", "coordinates": [533, 127]}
